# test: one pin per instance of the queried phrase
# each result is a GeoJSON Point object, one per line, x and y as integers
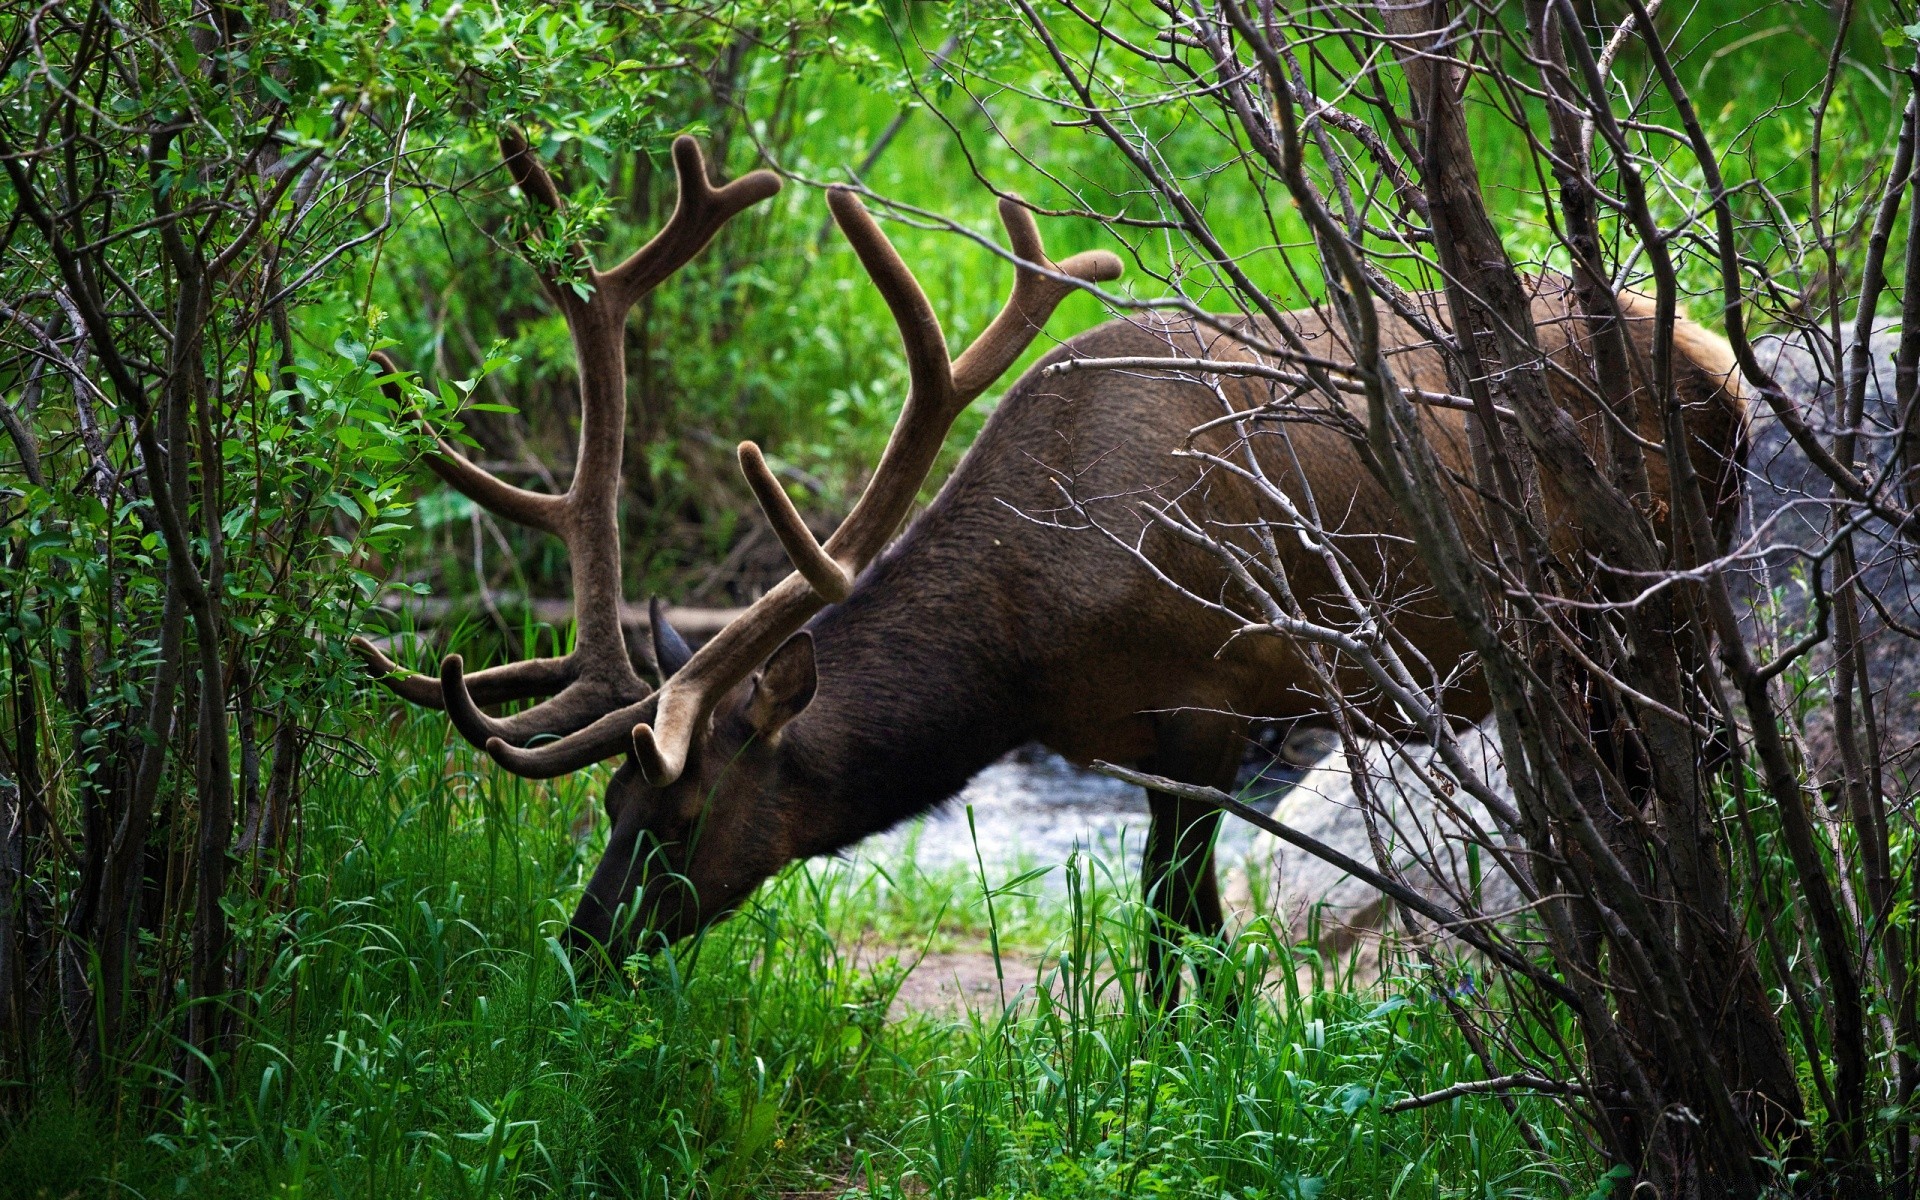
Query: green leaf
{"type": "Point", "coordinates": [1352, 1098]}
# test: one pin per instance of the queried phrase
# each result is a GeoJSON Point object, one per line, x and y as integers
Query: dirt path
{"type": "Point", "coordinates": [950, 983]}
{"type": "Point", "coordinates": [958, 982]}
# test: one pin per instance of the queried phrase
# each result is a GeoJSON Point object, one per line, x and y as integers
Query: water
{"type": "Point", "coordinates": [1033, 808]}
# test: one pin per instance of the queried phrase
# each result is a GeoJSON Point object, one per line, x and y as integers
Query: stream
{"type": "Point", "coordinates": [1033, 808]}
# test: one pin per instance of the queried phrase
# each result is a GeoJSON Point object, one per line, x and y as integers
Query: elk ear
{"type": "Point", "coordinates": [784, 687]}
{"type": "Point", "coordinates": [670, 650]}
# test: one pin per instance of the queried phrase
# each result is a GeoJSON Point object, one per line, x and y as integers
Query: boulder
{"type": "Point", "coordinates": [1786, 514]}
{"type": "Point", "coordinates": [1428, 842]}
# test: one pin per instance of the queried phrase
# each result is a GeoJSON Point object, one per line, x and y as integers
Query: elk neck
{"type": "Point", "coordinates": [918, 690]}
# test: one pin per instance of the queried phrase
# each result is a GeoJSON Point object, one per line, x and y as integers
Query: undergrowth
{"type": "Point", "coordinates": [416, 1032]}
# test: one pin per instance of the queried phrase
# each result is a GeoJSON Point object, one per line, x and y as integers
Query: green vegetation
{"type": "Point", "coordinates": [403, 1022]}
{"type": "Point", "coordinates": [775, 333]}
{"type": "Point", "coordinates": [417, 1034]}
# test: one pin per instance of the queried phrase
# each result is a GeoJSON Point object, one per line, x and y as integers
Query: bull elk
{"type": "Point", "coordinates": [874, 681]}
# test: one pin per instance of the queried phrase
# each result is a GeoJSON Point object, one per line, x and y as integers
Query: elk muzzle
{"type": "Point", "coordinates": [666, 874]}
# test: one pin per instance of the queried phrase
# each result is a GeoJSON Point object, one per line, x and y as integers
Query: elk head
{"type": "Point", "coordinates": [689, 837]}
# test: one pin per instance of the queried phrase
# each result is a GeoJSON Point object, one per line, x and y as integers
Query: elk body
{"type": "Point", "coordinates": [1037, 599]}
{"type": "Point", "coordinates": [999, 619]}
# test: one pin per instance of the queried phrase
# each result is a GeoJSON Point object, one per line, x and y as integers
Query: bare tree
{"type": "Point", "coordinates": [1715, 896]}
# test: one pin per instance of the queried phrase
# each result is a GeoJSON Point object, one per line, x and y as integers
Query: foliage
{"type": "Point", "coordinates": [204, 479]}
{"type": "Point", "coordinates": [265, 962]}
{"type": "Point", "coordinates": [413, 1033]}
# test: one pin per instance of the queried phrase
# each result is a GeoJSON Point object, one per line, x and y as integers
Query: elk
{"type": "Point", "coordinates": [875, 680]}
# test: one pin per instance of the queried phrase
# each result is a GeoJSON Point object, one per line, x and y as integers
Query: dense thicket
{"type": "Point", "coordinates": [205, 488]}
{"type": "Point", "coordinates": [213, 214]}
{"type": "Point", "coordinates": [1709, 888]}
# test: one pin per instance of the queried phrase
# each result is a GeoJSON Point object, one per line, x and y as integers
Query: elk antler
{"type": "Point", "coordinates": [596, 681]}
{"type": "Point", "coordinates": [939, 389]}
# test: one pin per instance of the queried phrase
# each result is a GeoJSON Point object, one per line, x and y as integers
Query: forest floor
{"type": "Point", "coordinates": [413, 1030]}
{"type": "Point", "coordinates": [953, 982]}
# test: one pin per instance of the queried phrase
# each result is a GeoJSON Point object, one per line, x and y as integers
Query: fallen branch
{"type": "Point", "coordinates": [695, 624]}
{"type": "Point", "coordinates": [1500, 1083]}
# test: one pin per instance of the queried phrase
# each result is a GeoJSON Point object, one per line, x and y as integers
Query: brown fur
{"type": "Point", "coordinates": [993, 622]}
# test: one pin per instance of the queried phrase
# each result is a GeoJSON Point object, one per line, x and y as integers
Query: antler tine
{"type": "Point", "coordinates": [698, 213]}
{"type": "Point", "coordinates": [1035, 296]}
{"type": "Point", "coordinates": [524, 166]}
{"type": "Point", "coordinates": [830, 579]}
{"type": "Point", "coordinates": [522, 680]}
{"type": "Point", "coordinates": [463, 475]}
{"type": "Point", "coordinates": [423, 690]}
{"type": "Point", "coordinates": [608, 737]}
{"type": "Point", "coordinates": [531, 177]}
{"type": "Point", "coordinates": [938, 390]}
{"type": "Point", "coordinates": [929, 370]}
{"type": "Point", "coordinates": [573, 708]}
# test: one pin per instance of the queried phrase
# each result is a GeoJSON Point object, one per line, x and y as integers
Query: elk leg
{"type": "Point", "coordinates": [1177, 875]}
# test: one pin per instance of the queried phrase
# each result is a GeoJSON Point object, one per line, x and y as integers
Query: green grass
{"type": "Point", "coordinates": [413, 1031]}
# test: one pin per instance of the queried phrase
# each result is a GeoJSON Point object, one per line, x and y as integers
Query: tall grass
{"type": "Point", "coordinates": [418, 1033]}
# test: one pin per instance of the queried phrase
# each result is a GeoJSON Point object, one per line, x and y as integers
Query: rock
{"type": "Point", "coordinates": [1347, 920]}
{"type": "Point", "coordinates": [1787, 511]}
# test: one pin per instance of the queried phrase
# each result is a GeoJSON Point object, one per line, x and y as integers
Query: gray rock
{"type": "Point", "coordinates": [1787, 512]}
{"type": "Point", "coordinates": [1427, 841]}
